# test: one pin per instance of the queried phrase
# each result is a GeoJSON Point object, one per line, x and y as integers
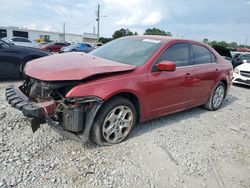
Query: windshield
{"type": "Point", "coordinates": [133, 51]}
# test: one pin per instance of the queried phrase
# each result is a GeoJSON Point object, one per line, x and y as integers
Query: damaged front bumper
{"type": "Point", "coordinates": [76, 118]}
{"type": "Point", "coordinates": [18, 100]}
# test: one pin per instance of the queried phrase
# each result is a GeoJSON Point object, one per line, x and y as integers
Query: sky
{"type": "Point", "coordinates": [227, 20]}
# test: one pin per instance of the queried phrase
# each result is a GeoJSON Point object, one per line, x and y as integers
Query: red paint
{"type": "Point", "coordinates": [54, 47]}
{"type": "Point", "coordinates": [166, 66]}
{"type": "Point", "coordinates": [72, 66]}
{"type": "Point", "coordinates": [159, 93]}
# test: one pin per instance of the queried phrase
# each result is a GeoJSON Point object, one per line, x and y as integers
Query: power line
{"type": "Point", "coordinates": [85, 25]}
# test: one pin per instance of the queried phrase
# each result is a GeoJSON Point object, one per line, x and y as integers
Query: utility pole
{"type": "Point", "coordinates": [98, 22]}
{"type": "Point", "coordinates": [64, 32]}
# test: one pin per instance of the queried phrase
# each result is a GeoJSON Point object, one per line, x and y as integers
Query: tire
{"type": "Point", "coordinates": [49, 50]}
{"type": "Point", "coordinates": [109, 127]}
{"type": "Point", "coordinates": [218, 94]}
{"type": "Point", "coordinates": [73, 51]}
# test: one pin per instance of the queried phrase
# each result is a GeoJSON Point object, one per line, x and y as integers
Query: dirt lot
{"type": "Point", "coordinates": [195, 148]}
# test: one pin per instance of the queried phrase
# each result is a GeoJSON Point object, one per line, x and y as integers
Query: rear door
{"type": "Point", "coordinates": [170, 91]}
{"type": "Point", "coordinates": [206, 72]}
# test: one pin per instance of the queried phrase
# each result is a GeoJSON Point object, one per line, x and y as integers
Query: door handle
{"type": "Point", "coordinates": [188, 74]}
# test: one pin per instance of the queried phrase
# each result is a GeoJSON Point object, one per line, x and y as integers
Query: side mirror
{"type": "Point", "coordinates": [166, 66]}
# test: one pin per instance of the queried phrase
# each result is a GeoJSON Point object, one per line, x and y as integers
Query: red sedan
{"type": "Point", "coordinates": [102, 95]}
{"type": "Point", "coordinates": [54, 46]}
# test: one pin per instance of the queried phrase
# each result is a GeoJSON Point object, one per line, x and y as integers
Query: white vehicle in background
{"type": "Point", "coordinates": [241, 73]}
{"type": "Point", "coordinates": [19, 41]}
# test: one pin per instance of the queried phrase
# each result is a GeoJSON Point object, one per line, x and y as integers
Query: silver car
{"type": "Point", "coordinates": [19, 41]}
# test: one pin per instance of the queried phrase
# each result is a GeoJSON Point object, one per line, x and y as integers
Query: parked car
{"type": "Point", "coordinates": [54, 46]}
{"type": "Point", "coordinates": [239, 59]}
{"type": "Point", "coordinates": [41, 44]}
{"type": "Point", "coordinates": [20, 41]}
{"type": "Point", "coordinates": [78, 47]}
{"type": "Point", "coordinates": [13, 59]}
{"type": "Point", "coordinates": [241, 73]}
{"type": "Point", "coordinates": [103, 94]}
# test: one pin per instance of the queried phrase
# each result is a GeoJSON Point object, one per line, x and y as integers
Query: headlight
{"type": "Point", "coordinates": [236, 71]}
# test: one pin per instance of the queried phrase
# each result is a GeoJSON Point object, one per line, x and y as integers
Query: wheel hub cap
{"type": "Point", "coordinates": [117, 124]}
{"type": "Point", "coordinates": [218, 96]}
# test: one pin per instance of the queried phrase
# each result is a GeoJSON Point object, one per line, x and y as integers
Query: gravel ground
{"type": "Point", "coordinates": [195, 148]}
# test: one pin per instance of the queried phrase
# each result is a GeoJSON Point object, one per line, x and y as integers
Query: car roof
{"type": "Point", "coordinates": [165, 39]}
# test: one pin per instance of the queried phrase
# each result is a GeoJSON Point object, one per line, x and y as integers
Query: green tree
{"type": "Point", "coordinates": [122, 32]}
{"type": "Point", "coordinates": [205, 40]}
{"type": "Point", "coordinates": [156, 31]}
{"type": "Point", "coordinates": [233, 45]}
{"type": "Point", "coordinates": [105, 40]}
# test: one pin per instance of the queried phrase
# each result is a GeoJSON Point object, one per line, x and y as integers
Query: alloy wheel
{"type": "Point", "coordinates": [218, 96]}
{"type": "Point", "coordinates": [117, 124]}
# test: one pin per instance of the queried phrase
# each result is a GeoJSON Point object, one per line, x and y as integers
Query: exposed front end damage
{"type": "Point", "coordinates": [45, 102]}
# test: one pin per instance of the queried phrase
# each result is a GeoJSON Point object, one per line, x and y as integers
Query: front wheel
{"type": "Point", "coordinates": [217, 97]}
{"type": "Point", "coordinates": [114, 122]}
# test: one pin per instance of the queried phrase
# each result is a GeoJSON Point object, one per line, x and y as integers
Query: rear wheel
{"type": "Point", "coordinates": [217, 97]}
{"type": "Point", "coordinates": [114, 122]}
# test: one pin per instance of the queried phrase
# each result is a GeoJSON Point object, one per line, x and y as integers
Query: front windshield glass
{"type": "Point", "coordinates": [133, 51]}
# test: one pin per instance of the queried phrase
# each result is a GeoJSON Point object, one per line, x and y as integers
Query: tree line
{"type": "Point", "coordinates": [229, 45]}
{"type": "Point", "coordinates": [126, 32]}
{"type": "Point", "coordinates": [155, 31]}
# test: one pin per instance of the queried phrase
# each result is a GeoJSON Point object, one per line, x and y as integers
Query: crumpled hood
{"type": "Point", "coordinates": [244, 67]}
{"type": "Point", "coordinates": [72, 66]}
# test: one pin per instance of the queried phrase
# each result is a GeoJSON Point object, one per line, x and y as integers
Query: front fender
{"type": "Point", "coordinates": [109, 88]}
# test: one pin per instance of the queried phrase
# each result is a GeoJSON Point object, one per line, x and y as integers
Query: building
{"type": "Point", "coordinates": [46, 35]}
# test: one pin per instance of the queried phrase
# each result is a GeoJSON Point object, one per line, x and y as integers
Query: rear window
{"type": "Point", "coordinates": [201, 55]}
{"type": "Point", "coordinates": [177, 53]}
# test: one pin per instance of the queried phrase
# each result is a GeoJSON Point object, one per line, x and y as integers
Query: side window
{"type": "Point", "coordinates": [178, 53]}
{"type": "Point", "coordinates": [26, 40]}
{"type": "Point", "coordinates": [201, 55]}
{"type": "Point", "coordinates": [83, 45]}
{"type": "Point", "coordinates": [20, 40]}
{"type": "Point", "coordinates": [15, 39]}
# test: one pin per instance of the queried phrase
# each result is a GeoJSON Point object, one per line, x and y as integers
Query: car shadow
{"type": "Point", "coordinates": [169, 120]}
{"type": "Point", "coordinates": [241, 86]}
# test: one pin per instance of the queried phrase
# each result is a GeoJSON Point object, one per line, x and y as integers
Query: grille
{"type": "Point", "coordinates": [245, 73]}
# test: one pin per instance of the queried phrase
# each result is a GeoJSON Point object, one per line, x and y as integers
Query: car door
{"type": "Point", "coordinates": [57, 47]}
{"type": "Point", "coordinates": [9, 61]}
{"type": "Point", "coordinates": [170, 91]}
{"type": "Point", "coordinates": [82, 47]}
{"type": "Point", "coordinates": [205, 74]}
